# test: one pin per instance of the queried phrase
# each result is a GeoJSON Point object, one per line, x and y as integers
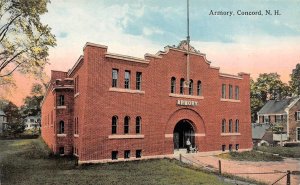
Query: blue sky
{"type": "Point", "coordinates": [236, 43]}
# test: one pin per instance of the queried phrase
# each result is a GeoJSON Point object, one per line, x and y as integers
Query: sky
{"type": "Point", "coordinates": [254, 44]}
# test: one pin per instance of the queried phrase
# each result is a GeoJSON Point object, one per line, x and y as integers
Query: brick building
{"type": "Point", "coordinates": [283, 113]}
{"type": "Point", "coordinates": [115, 107]}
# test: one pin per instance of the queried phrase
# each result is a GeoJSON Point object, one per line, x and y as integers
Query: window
{"type": "Point", "coordinates": [237, 147]}
{"type": "Point", "coordinates": [76, 84]}
{"type": "Point", "coordinates": [266, 119]}
{"type": "Point", "coordinates": [138, 125]}
{"type": "Point", "coordinates": [114, 124]}
{"type": "Point", "coordinates": [278, 118]}
{"type": "Point", "coordinates": [173, 85]}
{"type": "Point", "coordinates": [138, 153]}
{"type": "Point", "coordinates": [223, 126]}
{"type": "Point", "coordinates": [61, 150]}
{"type": "Point", "coordinates": [223, 91]}
{"type": "Point", "coordinates": [138, 81]}
{"type": "Point", "coordinates": [61, 128]}
{"type": "Point", "coordinates": [223, 148]}
{"type": "Point", "coordinates": [230, 147]}
{"type": "Point", "coordinates": [181, 86]}
{"type": "Point", "coordinates": [199, 88]}
{"type": "Point", "coordinates": [31, 120]}
{"type": "Point", "coordinates": [237, 92]}
{"type": "Point", "coordinates": [127, 80]}
{"type": "Point", "coordinates": [230, 92]}
{"type": "Point", "coordinates": [230, 125]}
{"type": "Point", "coordinates": [61, 100]}
{"type": "Point", "coordinates": [115, 78]}
{"type": "Point", "coordinates": [76, 126]}
{"type": "Point", "coordinates": [298, 134]}
{"type": "Point", "coordinates": [126, 154]}
{"type": "Point", "coordinates": [298, 115]}
{"type": "Point", "coordinates": [237, 124]}
{"type": "Point", "coordinates": [126, 124]}
{"type": "Point", "coordinates": [191, 88]}
{"type": "Point", "coordinates": [114, 155]}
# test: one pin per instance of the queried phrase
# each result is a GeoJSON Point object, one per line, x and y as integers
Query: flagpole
{"type": "Point", "coordinates": [188, 46]}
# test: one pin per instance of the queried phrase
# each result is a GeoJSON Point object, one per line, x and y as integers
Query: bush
{"type": "Point", "coordinates": [251, 156]}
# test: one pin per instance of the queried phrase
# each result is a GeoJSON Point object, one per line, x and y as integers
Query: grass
{"type": "Point", "coordinates": [27, 162]}
{"type": "Point", "coordinates": [250, 156]}
{"type": "Point", "coordinates": [293, 152]}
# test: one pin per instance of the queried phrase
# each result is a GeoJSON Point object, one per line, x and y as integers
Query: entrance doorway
{"type": "Point", "coordinates": [182, 131]}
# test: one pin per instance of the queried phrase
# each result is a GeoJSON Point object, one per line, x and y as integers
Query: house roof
{"type": "Point", "coordinates": [2, 113]}
{"type": "Point", "coordinates": [277, 106]}
{"type": "Point", "coordinates": [259, 130]}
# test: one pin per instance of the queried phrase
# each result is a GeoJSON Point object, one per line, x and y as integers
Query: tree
{"type": "Point", "coordinates": [24, 40]}
{"type": "Point", "coordinates": [295, 80]}
{"type": "Point", "coordinates": [267, 87]}
{"type": "Point", "coordinates": [32, 103]}
{"type": "Point", "coordinates": [14, 124]}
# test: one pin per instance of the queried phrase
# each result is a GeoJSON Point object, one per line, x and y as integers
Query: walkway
{"type": "Point", "coordinates": [210, 161]}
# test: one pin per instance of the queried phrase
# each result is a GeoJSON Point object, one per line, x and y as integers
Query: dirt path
{"type": "Point", "coordinates": [239, 167]}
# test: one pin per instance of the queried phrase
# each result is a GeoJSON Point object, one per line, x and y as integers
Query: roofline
{"type": "Point", "coordinates": [94, 45]}
{"type": "Point", "coordinates": [75, 65]}
{"type": "Point", "coordinates": [127, 58]}
{"type": "Point", "coordinates": [230, 76]}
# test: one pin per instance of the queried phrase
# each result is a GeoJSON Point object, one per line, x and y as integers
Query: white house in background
{"type": "Point", "coordinates": [32, 122]}
{"type": "Point", "coordinates": [3, 121]}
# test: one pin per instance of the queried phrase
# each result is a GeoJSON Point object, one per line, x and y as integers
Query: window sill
{"type": "Point", "coordinates": [61, 107]}
{"type": "Point", "coordinates": [75, 95]}
{"type": "Point", "coordinates": [76, 135]}
{"type": "Point", "coordinates": [230, 134]}
{"type": "Point", "coordinates": [230, 100]}
{"type": "Point", "coordinates": [140, 136]}
{"type": "Point", "coordinates": [113, 89]}
{"type": "Point", "coordinates": [61, 135]}
{"type": "Point", "coordinates": [186, 96]}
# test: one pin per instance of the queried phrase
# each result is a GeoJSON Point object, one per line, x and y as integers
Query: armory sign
{"type": "Point", "coordinates": [187, 102]}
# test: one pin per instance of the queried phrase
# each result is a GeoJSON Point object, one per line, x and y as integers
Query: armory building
{"type": "Point", "coordinates": [115, 107]}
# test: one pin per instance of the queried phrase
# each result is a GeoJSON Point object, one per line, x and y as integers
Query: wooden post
{"type": "Point", "coordinates": [220, 168]}
{"type": "Point", "coordinates": [180, 158]}
{"type": "Point", "coordinates": [288, 178]}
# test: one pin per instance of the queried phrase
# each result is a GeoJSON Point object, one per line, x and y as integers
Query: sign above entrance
{"type": "Point", "coordinates": [187, 103]}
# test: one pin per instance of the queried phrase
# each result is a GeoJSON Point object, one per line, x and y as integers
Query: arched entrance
{"type": "Point", "coordinates": [183, 130]}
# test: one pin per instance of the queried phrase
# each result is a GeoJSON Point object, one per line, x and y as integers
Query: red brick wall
{"type": "Point", "coordinates": [293, 123]}
{"type": "Point", "coordinates": [95, 105]}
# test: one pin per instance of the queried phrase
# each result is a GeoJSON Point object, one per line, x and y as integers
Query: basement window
{"type": "Point", "coordinates": [114, 155]}
{"type": "Point", "coordinates": [126, 154]}
{"type": "Point", "coordinates": [138, 153]}
{"type": "Point", "coordinates": [223, 148]}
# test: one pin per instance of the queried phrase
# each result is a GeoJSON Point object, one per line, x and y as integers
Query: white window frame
{"type": "Point", "coordinates": [297, 133]}
{"type": "Point", "coordinates": [298, 115]}
{"type": "Point", "coordinates": [265, 119]}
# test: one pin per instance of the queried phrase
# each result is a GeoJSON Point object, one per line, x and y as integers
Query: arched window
{"type": "Point", "coordinates": [138, 125]}
{"type": "Point", "coordinates": [237, 125]}
{"type": "Point", "coordinates": [173, 85]}
{"type": "Point", "coordinates": [223, 126]}
{"type": "Point", "coordinates": [230, 125]}
{"type": "Point", "coordinates": [191, 87]}
{"type": "Point", "coordinates": [61, 100]}
{"type": "Point", "coordinates": [182, 86]}
{"type": "Point", "coordinates": [114, 124]}
{"type": "Point", "coordinates": [199, 88]}
{"type": "Point", "coordinates": [61, 127]}
{"type": "Point", "coordinates": [126, 124]}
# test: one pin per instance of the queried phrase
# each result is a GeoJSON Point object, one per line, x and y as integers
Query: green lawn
{"type": "Point", "coordinates": [250, 156]}
{"type": "Point", "coordinates": [28, 162]}
{"type": "Point", "coordinates": [282, 151]}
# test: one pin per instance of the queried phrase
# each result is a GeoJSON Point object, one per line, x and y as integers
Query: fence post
{"type": "Point", "coordinates": [220, 168]}
{"type": "Point", "coordinates": [288, 178]}
{"type": "Point", "coordinates": [180, 158]}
